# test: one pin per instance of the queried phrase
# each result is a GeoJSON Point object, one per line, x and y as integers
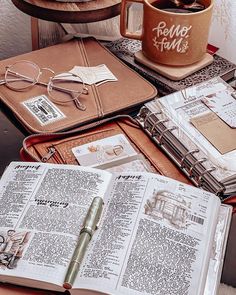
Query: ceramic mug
{"type": "Point", "coordinates": [170, 38]}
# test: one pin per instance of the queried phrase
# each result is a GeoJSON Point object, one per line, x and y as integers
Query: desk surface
{"type": "Point", "coordinates": [51, 10]}
{"type": "Point", "coordinates": [11, 142]}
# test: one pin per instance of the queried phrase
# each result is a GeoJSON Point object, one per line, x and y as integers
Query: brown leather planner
{"type": "Point", "coordinates": [36, 111]}
{"type": "Point", "coordinates": [57, 147]}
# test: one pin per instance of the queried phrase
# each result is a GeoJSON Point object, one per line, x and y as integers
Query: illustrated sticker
{"type": "Point", "coordinates": [13, 244]}
{"type": "Point", "coordinates": [104, 151]}
{"type": "Point", "coordinates": [43, 109]}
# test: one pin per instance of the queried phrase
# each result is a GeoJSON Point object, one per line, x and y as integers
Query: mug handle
{"type": "Point", "coordinates": [124, 20]}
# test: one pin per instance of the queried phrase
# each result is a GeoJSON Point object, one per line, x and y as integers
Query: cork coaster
{"type": "Point", "coordinates": [174, 73]}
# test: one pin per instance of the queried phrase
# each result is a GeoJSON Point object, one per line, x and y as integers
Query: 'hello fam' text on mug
{"type": "Point", "coordinates": [174, 38]}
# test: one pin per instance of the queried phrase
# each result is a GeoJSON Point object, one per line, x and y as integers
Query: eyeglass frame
{"type": "Point", "coordinates": [76, 100]}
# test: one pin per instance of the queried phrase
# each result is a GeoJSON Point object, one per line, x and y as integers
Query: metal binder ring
{"type": "Point", "coordinates": [148, 116]}
{"type": "Point", "coordinates": [156, 124]}
{"type": "Point", "coordinates": [203, 173]}
{"type": "Point", "coordinates": [220, 191]}
{"type": "Point", "coordinates": [145, 120]}
{"type": "Point", "coordinates": [164, 131]}
{"type": "Point", "coordinates": [195, 164]}
{"type": "Point", "coordinates": [187, 154]}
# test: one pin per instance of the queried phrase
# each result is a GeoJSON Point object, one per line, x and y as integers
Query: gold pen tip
{"type": "Point", "coordinates": [67, 285]}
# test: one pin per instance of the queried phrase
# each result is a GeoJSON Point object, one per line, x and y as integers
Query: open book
{"type": "Point", "coordinates": [156, 235]}
{"type": "Point", "coordinates": [192, 127]}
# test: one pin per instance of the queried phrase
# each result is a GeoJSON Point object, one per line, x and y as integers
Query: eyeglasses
{"type": "Point", "coordinates": [62, 88]}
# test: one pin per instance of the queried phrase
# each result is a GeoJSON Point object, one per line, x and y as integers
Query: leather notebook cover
{"type": "Point", "coordinates": [37, 147]}
{"type": "Point", "coordinates": [128, 92]}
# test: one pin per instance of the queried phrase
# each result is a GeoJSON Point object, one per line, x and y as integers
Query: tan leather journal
{"type": "Point", "coordinates": [57, 147]}
{"type": "Point", "coordinates": [38, 113]}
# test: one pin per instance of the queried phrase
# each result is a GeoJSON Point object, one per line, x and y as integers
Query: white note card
{"type": "Point", "coordinates": [89, 75]}
{"type": "Point", "coordinates": [94, 75]}
{"type": "Point", "coordinates": [43, 109]}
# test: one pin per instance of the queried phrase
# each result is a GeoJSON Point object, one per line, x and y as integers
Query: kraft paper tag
{"type": "Point", "coordinates": [220, 135]}
{"type": "Point", "coordinates": [103, 151]}
{"type": "Point", "coordinates": [89, 75]}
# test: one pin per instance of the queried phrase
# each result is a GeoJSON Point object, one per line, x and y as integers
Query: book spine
{"type": "Point", "coordinates": [155, 125]}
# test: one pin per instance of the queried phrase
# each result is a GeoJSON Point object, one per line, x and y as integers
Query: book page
{"type": "Point", "coordinates": [155, 238]}
{"type": "Point", "coordinates": [218, 250]}
{"type": "Point", "coordinates": [42, 211]}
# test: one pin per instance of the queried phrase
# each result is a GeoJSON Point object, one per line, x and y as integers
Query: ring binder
{"type": "Point", "coordinates": [164, 131]}
{"type": "Point", "coordinates": [183, 147]}
{"type": "Point", "coordinates": [200, 161]}
{"type": "Point", "coordinates": [142, 113]}
{"type": "Point", "coordinates": [187, 154]}
{"type": "Point", "coordinates": [209, 170]}
{"type": "Point", "coordinates": [149, 115]}
{"type": "Point", "coordinates": [156, 124]}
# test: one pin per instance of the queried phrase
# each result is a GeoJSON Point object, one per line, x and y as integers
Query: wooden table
{"type": "Point", "coordinates": [51, 10]}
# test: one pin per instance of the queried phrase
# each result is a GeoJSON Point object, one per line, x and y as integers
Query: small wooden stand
{"type": "Point", "coordinates": [70, 12]}
{"type": "Point", "coordinates": [61, 12]}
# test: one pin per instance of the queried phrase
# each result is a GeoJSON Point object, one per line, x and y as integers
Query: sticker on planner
{"type": "Point", "coordinates": [223, 104]}
{"type": "Point", "coordinates": [43, 110]}
{"type": "Point", "coordinates": [104, 151]}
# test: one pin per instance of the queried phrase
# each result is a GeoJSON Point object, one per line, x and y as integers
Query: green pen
{"type": "Point", "coordinates": [89, 226]}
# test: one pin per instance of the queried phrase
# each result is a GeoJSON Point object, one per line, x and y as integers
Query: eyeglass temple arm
{"type": "Point", "coordinates": [76, 100]}
{"type": "Point", "coordinates": [84, 90]}
{"type": "Point", "coordinates": [79, 105]}
{"type": "Point", "coordinates": [2, 82]}
{"type": "Point", "coordinates": [22, 76]}
{"type": "Point", "coordinates": [75, 95]}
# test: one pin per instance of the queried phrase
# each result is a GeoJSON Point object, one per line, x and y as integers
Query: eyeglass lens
{"type": "Point", "coordinates": [65, 88]}
{"type": "Point", "coordinates": [22, 75]}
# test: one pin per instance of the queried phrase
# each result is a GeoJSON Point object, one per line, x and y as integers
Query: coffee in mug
{"type": "Point", "coordinates": [178, 6]}
{"type": "Point", "coordinates": [170, 35]}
